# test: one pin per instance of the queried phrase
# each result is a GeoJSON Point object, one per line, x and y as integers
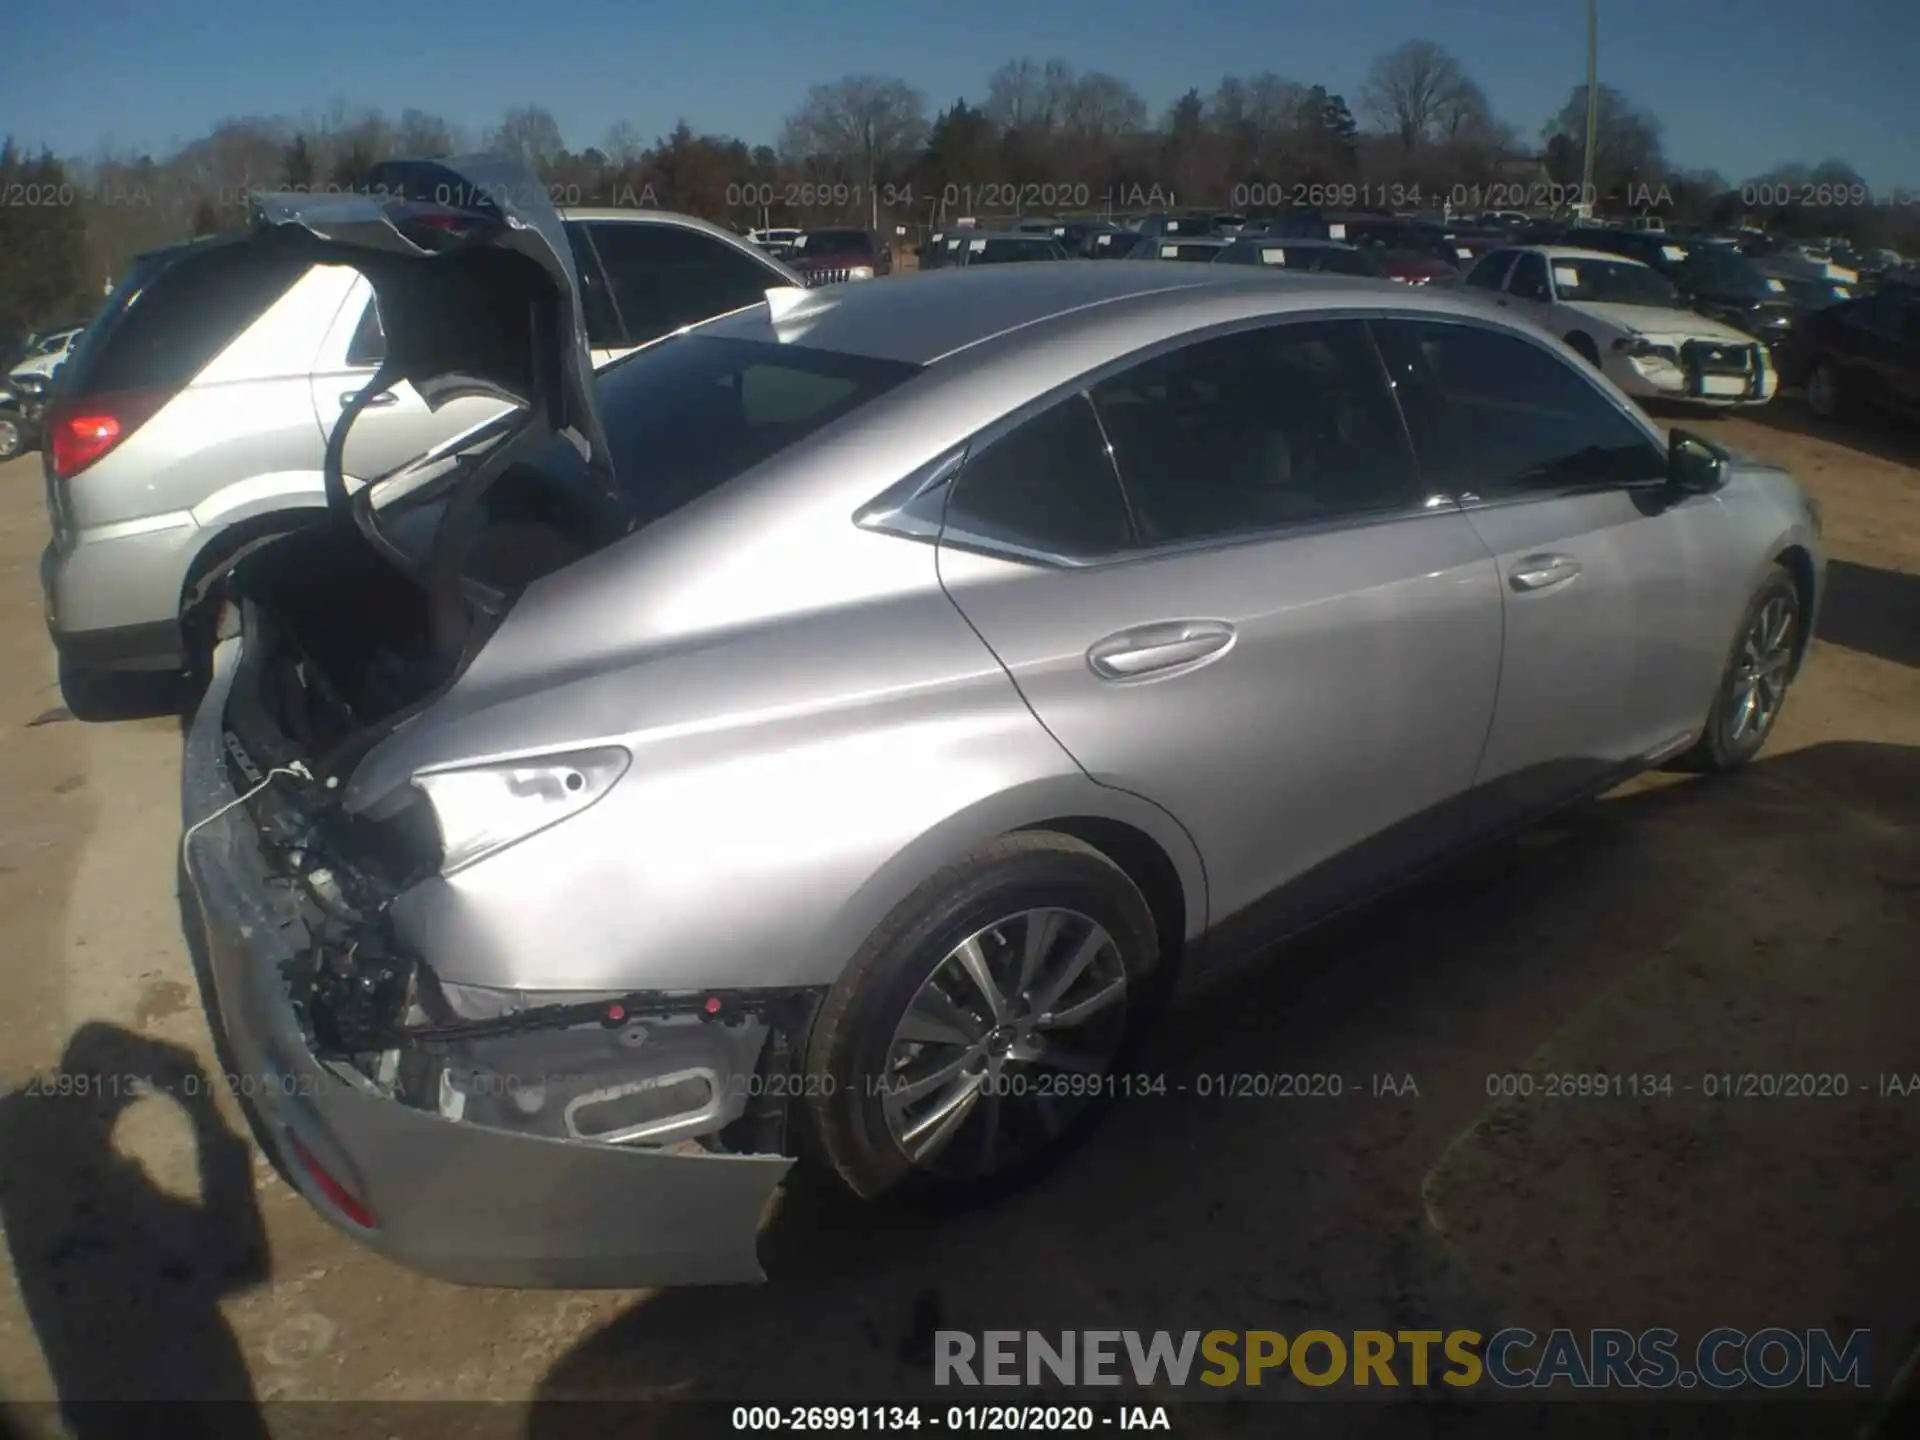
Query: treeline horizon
{"type": "Point", "coordinates": [867, 149]}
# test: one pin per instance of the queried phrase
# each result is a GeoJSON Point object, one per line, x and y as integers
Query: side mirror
{"type": "Point", "coordinates": [1694, 466]}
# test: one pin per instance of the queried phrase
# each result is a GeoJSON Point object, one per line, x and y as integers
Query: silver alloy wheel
{"type": "Point", "coordinates": [1823, 390]}
{"type": "Point", "coordinates": [9, 438]}
{"type": "Point", "coordinates": [1005, 1042]}
{"type": "Point", "coordinates": [1760, 672]}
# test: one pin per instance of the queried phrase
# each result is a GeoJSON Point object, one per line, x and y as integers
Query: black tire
{"type": "Point", "coordinates": [1583, 346]}
{"type": "Point", "coordinates": [854, 1032]}
{"type": "Point", "coordinates": [1826, 397]}
{"type": "Point", "coordinates": [1719, 748]}
{"type": "Point", "coordinates": [13, 434]}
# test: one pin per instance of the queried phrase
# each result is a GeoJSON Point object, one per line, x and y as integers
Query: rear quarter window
{"type": "Point", "coordinates": [172, 317]}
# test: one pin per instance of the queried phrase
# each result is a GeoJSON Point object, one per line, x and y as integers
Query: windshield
{"type": "Point", "coordinates": [686, 416]}
{"type": "Point", "coordinates": [1731, 275]}
{"type": "Point", "coordinates": [1003, 252]}
{"type": "Point", "coordinates": [1337, 261]}
{"type": "Point", "coordinates": [825, 242]}
{"type": "Point", "coordinates": [1611, 282]}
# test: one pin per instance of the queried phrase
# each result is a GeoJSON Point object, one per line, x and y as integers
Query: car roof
{"type": "Point", "coordinates": [1576, 252]}
{"type": "Point", "coordinates": [924, 318]}
{"type": "Point", "coordinates": [1261, 240]}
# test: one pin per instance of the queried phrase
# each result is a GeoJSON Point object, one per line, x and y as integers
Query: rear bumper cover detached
{"type": "Point", "coordinates": [453, 1199]}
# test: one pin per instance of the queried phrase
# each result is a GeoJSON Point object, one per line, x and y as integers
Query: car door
{"type": "Point", "coordinates": [1610, 654]}
{"type": "Point", "coordinates": [1266, 627]}
{"type": "Point", "coordinates": [661, 276]}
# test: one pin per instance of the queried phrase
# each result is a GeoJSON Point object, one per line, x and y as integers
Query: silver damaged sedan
{"type": "Point", "coordinates": [835, 729]}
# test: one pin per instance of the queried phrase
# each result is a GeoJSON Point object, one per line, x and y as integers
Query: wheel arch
{"type": "Point", "coordinates": [1144, 841]}
{"type": "Point", "coordinates": [1795, 560]}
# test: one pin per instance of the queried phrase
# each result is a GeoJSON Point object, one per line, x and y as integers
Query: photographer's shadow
{"type": "Point", "coordinates": [121, 1279]}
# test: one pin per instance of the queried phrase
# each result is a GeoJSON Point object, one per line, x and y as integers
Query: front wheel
{"type": "Point", "coordinates": [13, 435]}
{"type": "Point", "coordinates": [976, 1036]}
{"type": "Point", "coordinates": [1754, 687]}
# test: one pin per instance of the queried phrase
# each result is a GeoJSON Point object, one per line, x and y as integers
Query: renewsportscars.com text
{"type": "Point", "coordinates": [1511, 1359]}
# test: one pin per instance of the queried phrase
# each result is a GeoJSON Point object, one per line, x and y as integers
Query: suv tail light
{"type": "Point", "coordinates": [83, 428]}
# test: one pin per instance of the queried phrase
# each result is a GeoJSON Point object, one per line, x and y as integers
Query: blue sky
{"type": "Point", "coordinates": [1739, 84]}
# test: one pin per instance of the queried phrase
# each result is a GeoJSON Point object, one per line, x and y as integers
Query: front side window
{"type": "Point", "coordinates": [1047, 486]}
{"type": "Point", "coordinates": [1264, 428]}
{"type": "Point", "coordinates": [1529, 280]}
{"type": "Point", "coordinates": [662, 277]}
{"type": "Point", "coordinates": [1491, 272]}
{"type": "Point", "coordinates": [1499, 417]}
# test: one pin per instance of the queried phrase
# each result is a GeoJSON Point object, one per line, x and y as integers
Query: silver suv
{"type": "Point", "coordinates": [193, 419]}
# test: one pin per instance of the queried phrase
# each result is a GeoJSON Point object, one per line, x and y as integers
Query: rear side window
{"type": "Point", "coordinates": [175, 317]}
{"type": "Point", "coordinates": [1047, 485]}
{"type": "Point", "coordinates": [686, 417]}
{"type": "Point", "coordinates": [661, 277]}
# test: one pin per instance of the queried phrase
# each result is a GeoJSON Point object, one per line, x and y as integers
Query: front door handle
{"type": "Point", "coordinates": [1156, 649]}
{"type": "Point", "coordinates": [1541, 572]}
{"type": "Point", "coordinates": [385, 397]}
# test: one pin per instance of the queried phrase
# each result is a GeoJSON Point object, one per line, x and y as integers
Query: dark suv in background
{"type": "Point", "coordinates": [830, 257]}
{"type": "Point", "coordinates": [1865, 354]}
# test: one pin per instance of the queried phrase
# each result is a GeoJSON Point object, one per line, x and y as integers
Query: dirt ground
{"type": "Point", "coordinates": [1766, 923]}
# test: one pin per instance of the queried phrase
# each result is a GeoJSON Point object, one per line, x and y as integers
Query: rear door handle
{"type": "Point", "coordinates": [1157, 649]}
{"type": "Point", "coordinates": [1541, 572]}
{"type": "Point", "coordinates": [385, 397]}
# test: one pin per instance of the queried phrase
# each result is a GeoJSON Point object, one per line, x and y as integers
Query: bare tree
{"type": "Point", "coordinates": [1626, 142]}
{"type": "Point", "coordinates": [1419, 91]}
{"type": "Point", "coordinates": [623, 144]}
{"type": "Point", "coordinates": [866, 124]}
{"type": "Point", "coordinates": [420, 136]}
{"type": "Point", "coordinates": [529, 134]}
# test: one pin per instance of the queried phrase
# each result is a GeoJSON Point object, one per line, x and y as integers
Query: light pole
{"type": "Point", "coordinates": [1587, 197]}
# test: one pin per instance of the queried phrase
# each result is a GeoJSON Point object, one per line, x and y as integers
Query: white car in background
{"type": "Point", "coordinates": [1628, 319]}
{"type": "Point", "coordinates": [45, 353]}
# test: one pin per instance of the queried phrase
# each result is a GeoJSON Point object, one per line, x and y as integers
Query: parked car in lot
{"type": "Point", "coordinates": [943, 246]}
{"type": "Point", "coordinates": [1170, 248]}
{"type": "Point", "coordinates": [1865, 354]}
{"type": "Point", "coordinates": [45, 353]}
{"type": "Point", "coordinates": [1078, 237]}
{"type": "Point", "coordinates": [1009, 247]}
{"type": "Point", "coordinates": [777, 242]}
{"type": "Point", "coordinates": [1330, 256]}
{"type": "Point", "coordinates": [23, 404]}
{"type": "Point", "coordinates": [1654, 248]}
{"type": "Point", "coordinates": [1118, 245]}
{"type": "Point", "coordinates": [860, 619]}
{"type": "Point", "coordinates": [835, 256]}
{"type": "Point", "coordinates": [1627, 319]}
{"type": "Point", "coordinates": [1768, 300]}
{"type": "Point", "coordinates": [1158, 226]}
{"type": "Point", "coordinates": [1410, 251]}
{"type": "Point", "coordinates": [194, 417]}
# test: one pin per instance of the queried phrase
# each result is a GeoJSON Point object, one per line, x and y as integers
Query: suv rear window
{"type": "Point", "coordinates": [174, 313]}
